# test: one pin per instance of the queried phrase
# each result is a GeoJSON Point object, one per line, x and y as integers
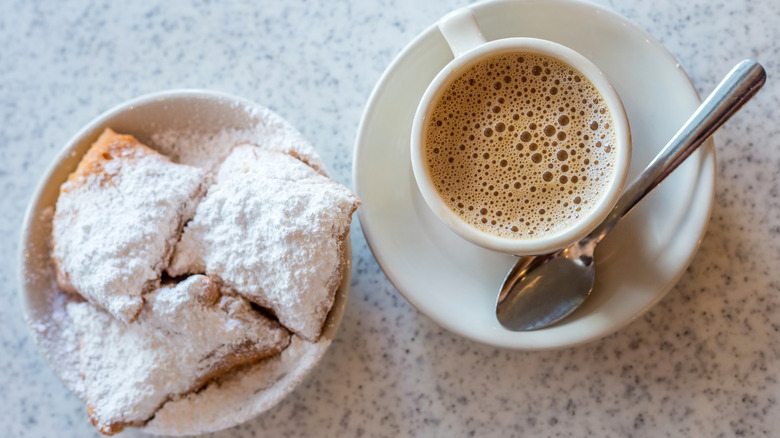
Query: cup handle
{"type": "Point", "coordinates": [461, 31]}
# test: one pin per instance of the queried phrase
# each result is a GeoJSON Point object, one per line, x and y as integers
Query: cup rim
{"type": "Point", "coordinates": [551, 242]}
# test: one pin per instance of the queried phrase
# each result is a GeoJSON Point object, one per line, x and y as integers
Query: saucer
{"type": "Point", "coordinates": [456, 283]}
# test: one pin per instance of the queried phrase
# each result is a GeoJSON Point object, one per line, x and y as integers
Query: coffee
{"type": "Point", "coordinates": [520, 145]}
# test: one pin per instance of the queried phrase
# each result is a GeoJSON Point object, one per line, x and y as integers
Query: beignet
{"type": "Point", "coordinates": [117, 220]}
{"type": "Point", "coordinates": [187, 334]}
{"type": "Point", "coordinates": [273, 229]}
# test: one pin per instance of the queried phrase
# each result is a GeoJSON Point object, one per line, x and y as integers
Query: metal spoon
{"type": "Point", "coordinates": [542, 290]}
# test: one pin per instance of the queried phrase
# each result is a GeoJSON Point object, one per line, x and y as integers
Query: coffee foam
{"type": "Point", "coordinates": [520, 146]}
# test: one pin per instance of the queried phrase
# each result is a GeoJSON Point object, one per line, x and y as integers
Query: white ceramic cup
{"type": "Point", "coordinates": [465, 39]}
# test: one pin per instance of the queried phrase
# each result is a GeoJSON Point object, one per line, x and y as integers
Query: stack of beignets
{"type": "Point", "coordinates": [278, 242]}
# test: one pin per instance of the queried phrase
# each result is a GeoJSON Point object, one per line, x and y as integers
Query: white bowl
{"type": "Point", "coordinates": [251, 391]}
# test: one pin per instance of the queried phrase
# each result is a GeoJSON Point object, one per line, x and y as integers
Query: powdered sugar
{"type": "Point", "coordinates": [117, 219]}
{"type": "Point", "coordinates": [51, 326]}
{"type": "Point", "coordinates": [268, 131]}
{"type": "Point", "coordinates": [271, 228]}
{"type": "Point", "coordinates": [185, 334]}
{"type": "Point", "coordinates": [237, 396]}
{"type": "Point", "coordinates": [59, 341]}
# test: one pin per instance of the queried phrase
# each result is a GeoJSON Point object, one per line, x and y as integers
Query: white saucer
{"type": "Point", "coordinates": [454, 282]}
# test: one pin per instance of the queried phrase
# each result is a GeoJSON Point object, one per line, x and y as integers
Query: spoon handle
{"type": "Point", "coordinates": [742, 83]}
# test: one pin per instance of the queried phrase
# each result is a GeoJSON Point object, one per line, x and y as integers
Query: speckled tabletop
{"type": "Point", "coordinates": [704, 362]}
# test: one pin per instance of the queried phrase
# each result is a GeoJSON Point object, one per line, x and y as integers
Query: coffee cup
{"type": "Point", "coordinates": [519, 145]}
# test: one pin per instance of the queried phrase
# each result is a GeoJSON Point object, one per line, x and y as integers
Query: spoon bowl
{"type": "Point", "coordinates": [542, 297]}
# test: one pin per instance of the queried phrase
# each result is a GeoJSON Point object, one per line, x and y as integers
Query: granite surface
{"type": "Point", "coordinates": [704, 362]}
